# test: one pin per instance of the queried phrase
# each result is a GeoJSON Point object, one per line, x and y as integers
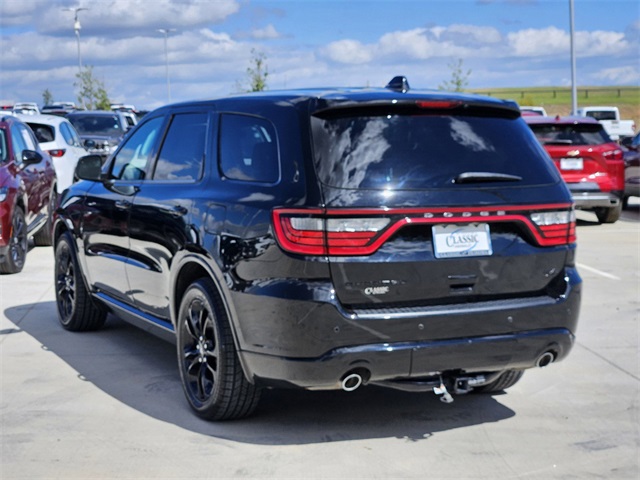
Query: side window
{"type": "Point", "coordinates": [182, 152]}
{"type": "Point", "coordinates": [248, 148]}
{"type": "Point", "coordinates": [67, 135]}
{"type": "Point", "coordinates": [18, 144]}
{"type": "Point", "coordinates": [3, 146]}
{"type": "Point", "coordinates": [131, 161]}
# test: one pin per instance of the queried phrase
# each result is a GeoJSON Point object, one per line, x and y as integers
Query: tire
{"type": "Point", "coordinates": [504, 381]}
{"type": "Point", "coordinates": [44, 237]}
{"type": "Point", "coordinates": [609, 215]}
{"type": "Point", "coordinates": [625, 202]}
{"type": "Point", "coordinates": [18, 244]}
{"type": "Point", "coordinates": [76, 310]}
{"type": "Point", "coordinates": [212, 378]}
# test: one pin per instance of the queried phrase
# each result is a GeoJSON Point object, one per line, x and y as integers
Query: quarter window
{"type": "Point", "coordinates": [182, 152]}
{"type": "Point", "coordinates": [248, 149]}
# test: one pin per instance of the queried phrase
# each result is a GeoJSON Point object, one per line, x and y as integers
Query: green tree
{"type": "Point", "coordinates": [459, 78]}
{"type": "Point", "coordinates": [47, 97]}
{"type": "Point", "coordinates": [258, 71]}
{"type": "Point", "coordinates": [92, 93]}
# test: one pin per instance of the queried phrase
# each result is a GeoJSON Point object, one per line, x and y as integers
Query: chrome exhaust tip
{"type": "Point", "coordinates": [351, 382]}
{"type": "Point", "coordinates": [545, 359]}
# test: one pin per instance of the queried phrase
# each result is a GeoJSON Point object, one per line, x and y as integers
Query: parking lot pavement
{"type": "Point", "coordinates": [109, 404]}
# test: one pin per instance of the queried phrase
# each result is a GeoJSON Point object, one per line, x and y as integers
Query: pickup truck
{"type": "Point", "coordinates": [609, 117]}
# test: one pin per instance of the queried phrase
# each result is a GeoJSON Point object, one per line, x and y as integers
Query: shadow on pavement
{"type": "Point", "coordinates": [140, 371]}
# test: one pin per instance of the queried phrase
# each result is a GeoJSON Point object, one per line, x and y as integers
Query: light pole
{"type": "Point", "coordinates": [76, 28]}
{"type": "Point", "coordinates": [166, 32]}
{"type": "Point", "coordinates": [574, 88]}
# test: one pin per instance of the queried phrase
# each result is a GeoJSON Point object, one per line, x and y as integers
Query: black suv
{"type": "Point", "coordinates": [327, 239]}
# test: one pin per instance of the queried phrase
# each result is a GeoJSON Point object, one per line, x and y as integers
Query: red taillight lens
{"type": "Point", "coordinates": [555, 228]}
{"type": "Point", "coordinates": [362, 232]}
{"type": "Point", "coordinates": [309, 232]}
{"type": "Point", "coordinates": [613, 155]}
{"type": "Point", "coordinates": [57, 153]}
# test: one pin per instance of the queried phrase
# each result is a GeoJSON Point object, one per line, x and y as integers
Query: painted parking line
{"type": "Point", "coordinates": [598, 272]}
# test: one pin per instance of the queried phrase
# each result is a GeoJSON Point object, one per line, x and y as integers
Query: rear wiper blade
{"type": "Point", "coordinates": [481, 177]}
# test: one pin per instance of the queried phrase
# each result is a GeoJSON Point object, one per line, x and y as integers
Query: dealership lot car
{"type": "Point", "coordinates": [60, 140]}
{"type": "Point", "coordinates": [589, 161]}
{"type": "Point", "coordinates": [326, 239]}
{"type": "Point", "coordinates": [100, 131]}
{"type": "Point", "coordinates": [27, 193]}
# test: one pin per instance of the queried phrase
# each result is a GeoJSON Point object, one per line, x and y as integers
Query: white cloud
{"type": "Point", "coordinates": [627, 75]}
{"type": "Point", "coordinates": [267, 33]}
{"type": "Point", "coordinates": [348, 52]}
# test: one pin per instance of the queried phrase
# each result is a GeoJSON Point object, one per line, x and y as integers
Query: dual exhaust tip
{"type": "Point", "coordinates": [353, 379]}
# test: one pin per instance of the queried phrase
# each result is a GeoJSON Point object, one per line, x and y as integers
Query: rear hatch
{"type": "Point", "coordinates": [431, 203]}
{"type": "Point", "coordinates": [583, 153]}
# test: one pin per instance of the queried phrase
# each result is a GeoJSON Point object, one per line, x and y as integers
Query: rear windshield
{"type": "Point", "coordinates": [97, 125]}
{"type": "Point", "coordinates": [425, 151]}
{"type": "Point", "coordinates": [576, 134]}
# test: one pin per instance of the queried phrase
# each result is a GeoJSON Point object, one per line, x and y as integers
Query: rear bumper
{"type": "Point", "coordinates": [588, 195]}
{"type": "Point", "coordinates": [408, 360]}
{"type": "Point", "coordinates": [412, 343]}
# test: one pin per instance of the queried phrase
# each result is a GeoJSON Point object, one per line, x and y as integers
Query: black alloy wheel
{"type": "Point", "coordinates": [76, 310]}
{"type": "Point", "coordinates": [18, 244]}
{"type": "Point", "coordinates": [210, 370]}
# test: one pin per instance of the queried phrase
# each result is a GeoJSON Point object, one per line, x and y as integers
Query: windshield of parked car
{"type": "Point", "coordinates": [573, 134]}
{"type": "Point", "coordinates": [97, 125]}
{"type": "Point", "coordinates": [424, 151]}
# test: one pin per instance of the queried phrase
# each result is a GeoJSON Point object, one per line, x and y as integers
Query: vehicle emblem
{"type": "Point", "coordinates": [573, 153]}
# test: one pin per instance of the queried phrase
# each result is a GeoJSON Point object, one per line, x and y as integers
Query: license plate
{"type": "Point", "coordinates": [571, 164]}
{"type": "Point", "coordinates": [461, 240]}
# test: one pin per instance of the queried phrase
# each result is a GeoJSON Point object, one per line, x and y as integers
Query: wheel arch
{"type": "Point", "coordinates": [190, 267]}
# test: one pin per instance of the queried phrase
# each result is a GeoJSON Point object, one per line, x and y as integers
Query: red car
{"type": "Point", "coordinates": [590, 163]}
{"type": "Point", "coordinates": [27, 193]}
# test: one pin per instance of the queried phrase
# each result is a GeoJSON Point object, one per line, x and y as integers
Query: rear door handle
{"type": "Point", "coordinates": [123, 204]}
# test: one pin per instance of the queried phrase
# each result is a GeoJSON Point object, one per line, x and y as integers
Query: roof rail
{"type": "Point", "coordinates": [398, 84]}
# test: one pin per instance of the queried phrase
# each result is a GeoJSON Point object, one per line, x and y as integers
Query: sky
{"type": "Point", "coordinates": [309, 43]}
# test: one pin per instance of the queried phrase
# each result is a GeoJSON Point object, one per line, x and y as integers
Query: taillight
{"type": "Point", "coordinates": [57, 153]}
{"type": "Point", "coordinates": [556, 227]}
{"type": "Point", "coordinates": [613, 155]}
{"type": "Point", "coordinates": [337, 232]}
{"type": "Point", "coordinates": [309, 232]}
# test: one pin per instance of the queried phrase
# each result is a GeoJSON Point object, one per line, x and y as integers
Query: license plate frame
{"type": "Point", "coordinates": [459, 241]}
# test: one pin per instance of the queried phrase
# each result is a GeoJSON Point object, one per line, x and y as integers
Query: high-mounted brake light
{"type": "Point", "coordinates": [437, 104]}
{"type": "Point", "coordinates": [57, 153]}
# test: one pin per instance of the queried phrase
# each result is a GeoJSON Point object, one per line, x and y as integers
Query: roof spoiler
{"type": "Point", "coordinates": [398, 84]}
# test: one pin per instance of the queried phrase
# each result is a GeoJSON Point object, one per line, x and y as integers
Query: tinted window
{"type": "Point", "coordinates": [97, 125]}
{"type": "Point", "coordinates": [576, 134]}
{"type": "Point", "coordinates": [424, 151]}
{"type": "Point", "coordinates": [43, 133]}
{"type": "Point", "coordinates": [603, 115]}
{"type": "Point", "coordinates": [182, 152]}
{"type": "Point", "coordinates": [131, 161]}
{"type": "Point", "coordinates": [248, 149]}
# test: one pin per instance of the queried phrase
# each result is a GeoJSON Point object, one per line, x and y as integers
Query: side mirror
{"type": "Point", "coordinates": [89, 167]}
{"type": "Point", "coordinates": [89, 144]}
{"type": "Point", "coordinates": [30, 157]}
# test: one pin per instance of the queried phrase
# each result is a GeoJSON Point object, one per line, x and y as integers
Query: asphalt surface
{"type": "Point", "coordinates": [109, 404]}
